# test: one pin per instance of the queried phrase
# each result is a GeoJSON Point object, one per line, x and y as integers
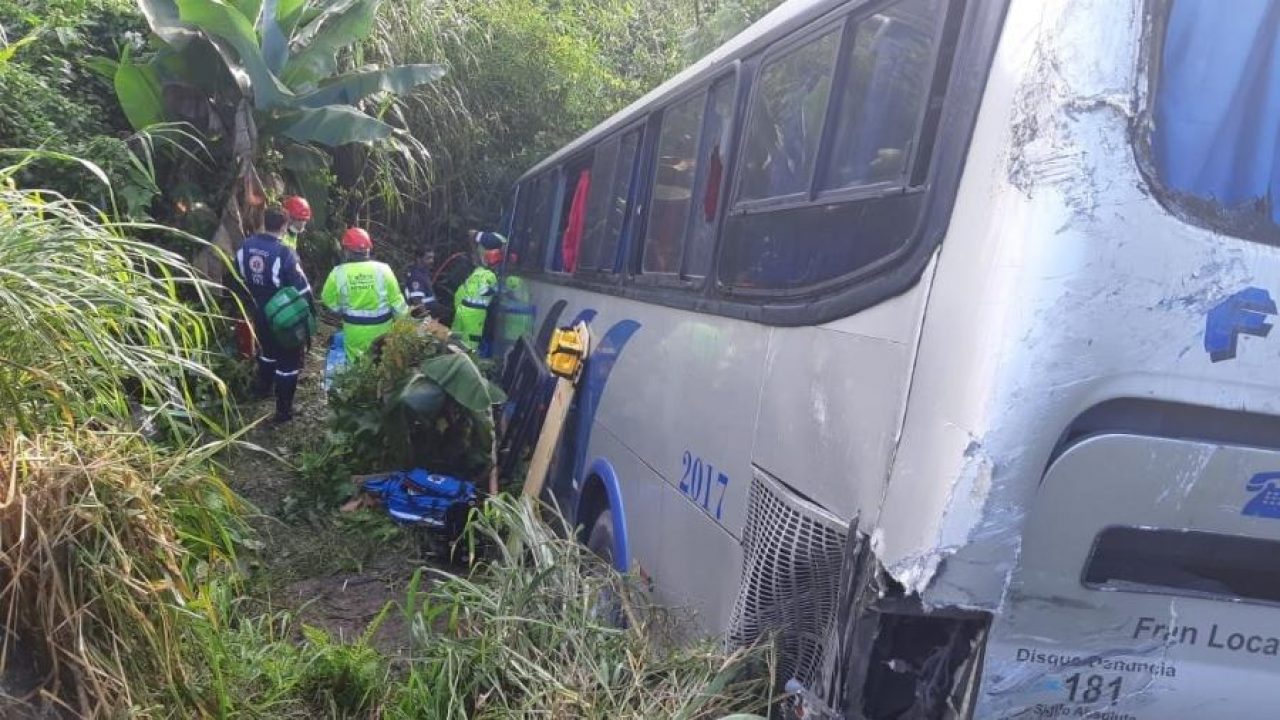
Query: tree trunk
{"type": "Point", "coordinates": [245, 203]}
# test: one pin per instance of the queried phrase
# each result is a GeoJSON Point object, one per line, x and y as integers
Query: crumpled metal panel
{"type": "Point", "coordinates": [793, 551]}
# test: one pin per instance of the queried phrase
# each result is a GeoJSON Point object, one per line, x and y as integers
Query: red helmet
{"type": "Point", "coordinates": [493, 258]}
{"type": "Point", "coordinates": [356, 240]}
{"type": "Point", "coordinates": [297, 208]}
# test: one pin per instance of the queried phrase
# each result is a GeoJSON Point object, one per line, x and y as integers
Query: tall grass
{"type": "Point", "coordinates": [102, 539]}
{"type": "Point", "coordinates": [94, 317]}
{"type": "Point", "coordinates": [103, 536]}
{"type": "Point", "coordinates": [534, 632]}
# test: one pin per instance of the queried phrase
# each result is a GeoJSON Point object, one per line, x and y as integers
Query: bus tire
{"type": "Point", "coordinates": [600, 540]}
{"type": "Point", "coordinates": [607, 607]}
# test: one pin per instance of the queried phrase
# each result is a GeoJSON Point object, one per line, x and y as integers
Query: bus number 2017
{"type": "Point", "coordinates": [1092, 688]}
{"type": "Point", "coordinates": [700, 482]}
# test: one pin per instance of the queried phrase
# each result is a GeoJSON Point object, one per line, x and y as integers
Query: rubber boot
{"type": "Point", "coordinates": [285, 389]}
{"type": "Point", "coordinates": [266, 378]}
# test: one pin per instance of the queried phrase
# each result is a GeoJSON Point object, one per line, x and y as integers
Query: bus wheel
{"type": "Point", "coordinates": [608, 606]}
{"type": "Point", "coordinates": [600, 541]}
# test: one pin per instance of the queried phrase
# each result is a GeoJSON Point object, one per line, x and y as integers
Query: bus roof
{"type": "Point", "coordinates": [781, 20]}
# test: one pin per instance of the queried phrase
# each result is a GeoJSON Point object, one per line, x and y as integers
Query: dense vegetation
{"type": "Point", "coordinates": [133, 143]}
{"type": "Point", "coordinates": [522, 77]}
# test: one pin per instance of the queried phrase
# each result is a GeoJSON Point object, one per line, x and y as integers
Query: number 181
{"type": "Point", "coordinates": [1090, 689]}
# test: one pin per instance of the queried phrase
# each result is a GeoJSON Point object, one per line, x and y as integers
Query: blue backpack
{"type": "Point", "coordinates": [417, 497]}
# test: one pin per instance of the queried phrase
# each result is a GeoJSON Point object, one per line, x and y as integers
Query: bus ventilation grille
{"type": "Point", "coordinates": [792, 554]}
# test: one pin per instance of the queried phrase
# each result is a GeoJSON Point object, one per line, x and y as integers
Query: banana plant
{"type": "Point", "coordinates": [252, 71]}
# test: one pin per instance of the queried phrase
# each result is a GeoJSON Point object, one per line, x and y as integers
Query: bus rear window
{"type": "Point", "coordinates": [1214, 143]}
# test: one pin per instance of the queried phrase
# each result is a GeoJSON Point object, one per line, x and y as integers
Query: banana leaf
{"type": "Point", "coordinates": [458, 375]}
{"type": "Point", "coordinates": [162, 16]}
{"type": "Point", "coordinates": [224, 21]}
{"type": "Point", "coordinates": [351, 88]}
{"type": "Point", "coordinates": [275, 45]}
{"type": "Point", "coordinates": [420, 397]}
{"type": "Point", "coordinates": [316, 45]}
{"type": "Point", "coordinates": [288, 15]}
{"type": "Point", "coordinates": [138, 88]}
{"type": "Point", "coordinates": [248, 8]}
{"type": "Point", "coordinates": [309, 165]}
{"type": "Point", "coordinates": [335, 125]}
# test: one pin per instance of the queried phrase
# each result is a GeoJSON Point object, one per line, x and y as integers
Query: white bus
{"type": "Point", "coordinates": [932, 337]}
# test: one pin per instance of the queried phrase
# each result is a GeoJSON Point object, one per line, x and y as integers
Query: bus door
{"type": "Point", "coordinates": [1148, 587]}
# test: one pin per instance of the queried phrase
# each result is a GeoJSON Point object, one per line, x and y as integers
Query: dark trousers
{"type": "Point", "coordinates": [278, 368]}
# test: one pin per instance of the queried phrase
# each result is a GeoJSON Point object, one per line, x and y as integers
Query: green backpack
{"type": "Point", "coordinates": [289, 315]}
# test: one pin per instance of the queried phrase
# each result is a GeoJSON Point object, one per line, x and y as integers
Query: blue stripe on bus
{"type": "Point", "coordinates": [549, 325]}
{"type": "Point", "coordinates": [599, 366]}
{"type": "Point", "coordinates": [586, 316]}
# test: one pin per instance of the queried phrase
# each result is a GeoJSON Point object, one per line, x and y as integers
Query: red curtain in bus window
{"type": "Point", "coordinates": [577, 222]}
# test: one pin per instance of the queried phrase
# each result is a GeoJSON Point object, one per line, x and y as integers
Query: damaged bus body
{"type": "Point", "coordinates": [930, 337]}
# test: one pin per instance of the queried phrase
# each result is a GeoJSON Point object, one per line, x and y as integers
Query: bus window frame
{"type": "Point", "coordinates": [840, 26]}
{"type": "Point", "coordinates": [816, 197]}
{"type": "Point", "coordinates": [907, 180]}
{"type": "Point", "coordinates": [517, 208]}
{"type": "Point", "coordinates": [679, 280]}
{"type": "Point", "coordinates": [591, 194]}
{"type": "Point", "coordinates": [976, 37]}
{"type": "Point", "coordinates": [613, 275]}
{"type": "Point", "coordinates": [528, 187]}
{"type": "Point", "coordinates": [727, 166]}
{"type": "Point", "coordinates": [815, 194]}
{"type": "Point", "coordinates": [583, 158]}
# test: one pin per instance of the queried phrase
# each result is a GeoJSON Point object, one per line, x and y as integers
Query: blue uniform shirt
{"type": "Point", "coordinates": [265, 264]}
{"type": "Point", "coordinates": [417, 284]}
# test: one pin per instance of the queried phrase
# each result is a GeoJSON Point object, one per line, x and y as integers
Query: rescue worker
{"type": "Point", "coordinates": [264, 264]}
{"type": "Point", "coordinates": [475, 295]}
{"type": "Point", "coordinates": [487, 240]}
{"type": "Point", "coordinates": [364, 293]}
{"type": "Point", "coordinates": [299, 212]}
{"type": "Point", "coordinates": [418, 279]}
{"type": "Point", "coordinates": [517, 310]}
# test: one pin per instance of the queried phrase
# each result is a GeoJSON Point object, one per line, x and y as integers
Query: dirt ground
{"type": "Point", "coordinates": [330, 574]}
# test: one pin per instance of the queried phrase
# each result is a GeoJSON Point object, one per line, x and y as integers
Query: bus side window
{"type": "Point", "coordinates": [539, 220]}
{"type": "Point", "coordinates": [716, 132]}
{"type": "Point", "coordinates": [673, 186]}
{"type": "Point", "coordinates": [854, 204]}
{"type": "Point", "coordinates": [572, 227]}
{"type": "Point", "coordinates": [881, 100]}
{"type": "Point", "coordinates": [620, 200]}
{"type": "Point", "coordinates": [785, 121]}
{"type": "Point", "coordinates": [519, 240]}
{"type": "Point", "coordinates": [597, 215]}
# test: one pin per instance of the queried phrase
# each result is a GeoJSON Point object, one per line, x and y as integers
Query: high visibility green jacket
{"type": "Point", "coordinates": [365, 293]}
{"type": "Point", "coordinates": [517, 309]}
{"type": "Point", "coordinates": [471, 305]}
